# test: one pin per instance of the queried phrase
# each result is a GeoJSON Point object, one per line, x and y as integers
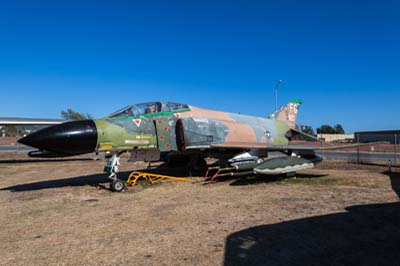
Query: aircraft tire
{"type": "Point", "coordinates": [117, 185]}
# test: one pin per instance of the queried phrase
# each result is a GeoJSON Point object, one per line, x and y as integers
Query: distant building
{"type": "Point", "coordinates": [390, 136]}
{"type": "Point", "coordinates": [336, 137]}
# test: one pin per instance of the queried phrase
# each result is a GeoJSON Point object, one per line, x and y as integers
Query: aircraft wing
{"type": "Point", "coordinates": [18, 121]}
{"type": "Point", "coordinates": [319, 148]}
{"type": "Point", "coordinates": [250, 146]}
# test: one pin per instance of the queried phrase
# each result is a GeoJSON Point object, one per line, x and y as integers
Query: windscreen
{"type": "Point", "coordinates": [126, 111]}
{"type": "Point", "coordinates": [137, 109]}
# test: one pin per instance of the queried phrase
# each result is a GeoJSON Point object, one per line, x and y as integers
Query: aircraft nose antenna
{"type": "Point", "coordinates": [70, 138]}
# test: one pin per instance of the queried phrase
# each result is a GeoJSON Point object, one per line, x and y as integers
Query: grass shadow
{"type": "Point", "coordinates": [92, 180]}
{"type": "Point", "coordinates": [259, 179]}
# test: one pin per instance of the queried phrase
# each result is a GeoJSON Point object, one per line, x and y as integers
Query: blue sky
{"type": "Point", "coordinates": [340, 57]}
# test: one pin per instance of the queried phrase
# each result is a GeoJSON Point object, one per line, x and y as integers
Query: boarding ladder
{"type": "Point", "coordinates": [151, 178]}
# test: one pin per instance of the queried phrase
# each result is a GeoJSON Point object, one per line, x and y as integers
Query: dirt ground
{"type": "Point", "coordinates": [52, 213]}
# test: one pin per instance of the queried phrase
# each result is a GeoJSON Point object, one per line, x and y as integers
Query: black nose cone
{"type": "Point", "coordinates": [70, 138]}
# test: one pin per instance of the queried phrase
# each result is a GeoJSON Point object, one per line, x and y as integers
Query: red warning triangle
{"type": "Point", "coordinates": [137, 122]}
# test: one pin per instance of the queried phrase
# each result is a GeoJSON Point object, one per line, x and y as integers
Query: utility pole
{"type": "Point", "coordinates": [395, 143]}
{"type": "Point", "coordinates": [276, 93]}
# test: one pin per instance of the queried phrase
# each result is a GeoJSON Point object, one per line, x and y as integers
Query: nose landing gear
{"type": "Point", "coordinates": [112, 167]}
{"type": "Point", "coordinates": [117, 185]}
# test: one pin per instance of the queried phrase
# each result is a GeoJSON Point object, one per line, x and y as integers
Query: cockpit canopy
{"type": "Point", "coordinates": [148, 108]}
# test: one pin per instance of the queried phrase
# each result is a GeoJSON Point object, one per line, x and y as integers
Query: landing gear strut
{"type": "Point", "coordinates": [112, 167]}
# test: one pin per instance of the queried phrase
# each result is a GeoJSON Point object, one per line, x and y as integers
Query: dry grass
{"type": "Point", "coordinates": [51, 213]}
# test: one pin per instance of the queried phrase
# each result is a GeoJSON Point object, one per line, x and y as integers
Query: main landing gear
{"type": "Point", "coordinates": [112, 167]}
{"type": "Point", "coordinates": [197, 166]}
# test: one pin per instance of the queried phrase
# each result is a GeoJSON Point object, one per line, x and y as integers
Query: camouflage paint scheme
{"type": "Point", "coordinates": [178, 128]}
{"type": "Point", "coordinates": [179, 133]}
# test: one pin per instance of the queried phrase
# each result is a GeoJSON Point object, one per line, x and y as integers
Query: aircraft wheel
{"type": "Point", "coordinates": [117, 185]}
{"type": "Point", "coordinates": [197, 167]}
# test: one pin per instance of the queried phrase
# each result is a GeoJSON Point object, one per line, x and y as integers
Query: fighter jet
{"type": "Point", "coordinates": [167, 131]}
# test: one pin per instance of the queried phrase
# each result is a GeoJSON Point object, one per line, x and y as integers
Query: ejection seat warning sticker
{"type": "Point", "coordinates": [137, 122]}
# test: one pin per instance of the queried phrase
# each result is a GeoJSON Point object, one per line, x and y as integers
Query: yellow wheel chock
{"type": "Point", "coordinates": [151, 178]}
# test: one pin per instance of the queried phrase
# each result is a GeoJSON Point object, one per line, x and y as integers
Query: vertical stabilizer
{"type": "Point", "coordinates": [288, 113]}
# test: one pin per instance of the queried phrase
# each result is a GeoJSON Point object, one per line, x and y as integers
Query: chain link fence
{"type": "Point", "coordinates": [9, 139]}
{"type": "Point", "coordinates": [11, 145]}
{"type": "Point", "coordinates": [386, 151]}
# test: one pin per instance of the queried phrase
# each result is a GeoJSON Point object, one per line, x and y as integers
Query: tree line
{"type": "Point", "coordinates": [324, 129]}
